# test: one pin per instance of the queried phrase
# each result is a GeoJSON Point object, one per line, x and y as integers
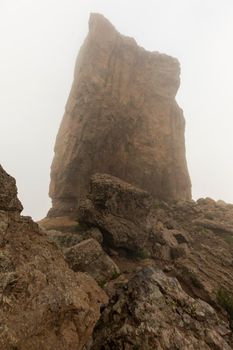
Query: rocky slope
{"type": "Point", "coordinates": [174, 261]}
{"type": "Point", "coordinates": [153, 312]}
{"type": "Point", "coordinates": [142, 233]}
{"type": "Point", "coordinates": [121, 118]}
{"type": "Point", "coordinates": [44, 304]}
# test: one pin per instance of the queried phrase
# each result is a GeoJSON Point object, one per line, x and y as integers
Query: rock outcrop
{"type": "Point", "coordinates": [43, 303]}
{"type": "Point", "coordinates": [8, 193]}
{"type": "Point", "coordinates": [122, 119]}
{"type": "Point", "coordinates": [153, 312]}
{"type": "Point", "coordinates": [169, 236]}
{"type": "Point", "coordinates": [209, 265]}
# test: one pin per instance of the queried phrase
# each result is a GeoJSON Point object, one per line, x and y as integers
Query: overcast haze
{"type": "Point", "coordinates": [39, 42]}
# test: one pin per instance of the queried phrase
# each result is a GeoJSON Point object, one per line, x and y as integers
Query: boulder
{"type": "Point", "coordinates": [122, 119]}
{"type": "Point", "coordinates": [153, 312]}
{"type": "Point", "coordinates": [88, 256]}
{"type": "Point", "coordinates": [120, 210]}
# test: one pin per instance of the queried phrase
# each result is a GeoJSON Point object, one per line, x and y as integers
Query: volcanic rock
{"type": "Point", "coordinates": [88, 256]}
{"type": "Point", "coordinates": [121, 119]}
{"type": "Point", "coordinates": [68, 239]}
{"type": "Point", "coordinates": [64, 239]}
{"type": "Point", "coordinates": [121, 211]}
{"type": "Point", "coordinates": [153, 312]}
{"type": "Point", "coordinates": [132, 222]}
{"type": "Point", "coordinates": [208, 265]}
{"type": "Point", "coordinates": [8, 193]}
{"type": "Point", "coordinates": [43, 303]}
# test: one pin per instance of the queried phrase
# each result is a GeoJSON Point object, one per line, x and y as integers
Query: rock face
{"type": "Point", "coordinates": [122, 119]}
{"type": "Point", "coordinates": [153, 312]}
{"type": "Point", "coordinates": [43, 304]}
{"type": "Point", "coordinates": [88, 256]}
{"type": "Point", "coordinates": [209, 265]}
{"type": "Point", "coordinates": [8, 193]}
{"type": "Point", "coordinates": [169, 236]}
{"type": "Point", "coordinates": [120, 210]}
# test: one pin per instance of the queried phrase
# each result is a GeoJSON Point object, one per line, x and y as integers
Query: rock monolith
{"type": "Point", "coordinates": [121, 119]}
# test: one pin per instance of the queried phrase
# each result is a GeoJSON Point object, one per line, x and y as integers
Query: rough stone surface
{"type": "Point", "coordinates": [121, 119]}
{"type": "Point", "coordinates": [170, 244]}
{"type": "Point", "coordinates": [8, 193]}
{"type": "Point", "coordinates": [43, 303]}
{"type": "Point", "coordinates": [169, 235]}
{"type": "Point", "coordinates": [153, 312]}
{"type": "Point", "coordinates": [88, 256]}
{"type": "Point", "coordinates": [68, 239]}
{"type": "Point", "coordinates": [64, 239]}
{"type": "Point", "coordinates": [207, 266]}
{"type": "Point", "coordinates": [120, 210]}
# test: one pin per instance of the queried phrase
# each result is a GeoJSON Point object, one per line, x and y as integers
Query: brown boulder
{"type": "Point", "coordinates": [120, 210]}
{"type": "Point", "coordinates": [122, 119]}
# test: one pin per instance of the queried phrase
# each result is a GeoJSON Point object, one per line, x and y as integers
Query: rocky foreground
{"type": "Point", "coordinates": [44, 304]}
{"type": "Point", "coordinates": [161, 274]}
{"type": "Point", "coordinates": [169, 274]}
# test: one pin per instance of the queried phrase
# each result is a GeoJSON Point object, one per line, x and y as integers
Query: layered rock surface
{"type": "Point", "coordinates": [43, 304]}
{"type": "Point", "coordinates": [122, 119]}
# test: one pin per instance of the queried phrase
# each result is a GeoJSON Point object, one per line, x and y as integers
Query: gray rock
{"type": "Point", "coordinates": [88, 256]}
{"type": "Point", "coordinates": [153, 312]}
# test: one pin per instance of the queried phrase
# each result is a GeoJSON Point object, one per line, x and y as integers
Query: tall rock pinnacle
{"type": "Point", "coordinates": [122, 119]}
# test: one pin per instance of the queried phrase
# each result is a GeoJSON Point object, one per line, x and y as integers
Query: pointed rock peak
{"type": "Point", "coordinates": [99, 22]}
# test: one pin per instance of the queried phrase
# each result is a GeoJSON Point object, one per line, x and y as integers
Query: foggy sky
{"type": "Point", "coordinates": [39, 42]}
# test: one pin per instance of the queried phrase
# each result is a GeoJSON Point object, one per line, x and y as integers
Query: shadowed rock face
{"type": "Point", "coordinates": [121, 119]}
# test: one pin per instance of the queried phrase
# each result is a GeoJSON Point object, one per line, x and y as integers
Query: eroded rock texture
{"type": "Point", "coordinates": [192, 241]}
{"type": "Point", "coordinates": [43, 304]}
{"type": "Point", "coordinates": [121, 211]}
{"type": "Point", "coordinates": [122, 119]}
{"type": "Point", "coordinates": [88, 256]}
{"type": "Point", "coordinates": [153, 312]}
